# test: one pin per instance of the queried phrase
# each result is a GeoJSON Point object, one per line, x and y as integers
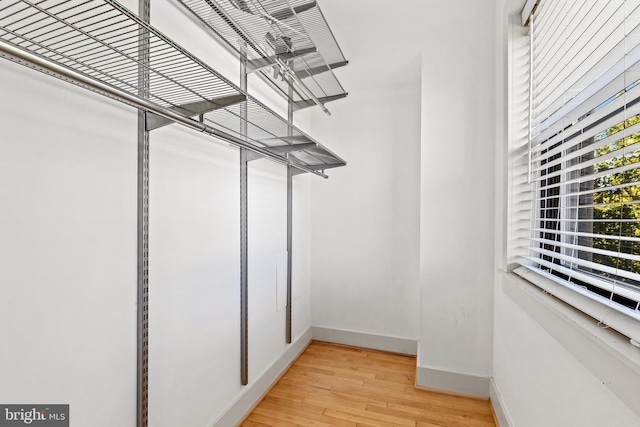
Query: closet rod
{"type": "Point", "coordinates": [38, 63]}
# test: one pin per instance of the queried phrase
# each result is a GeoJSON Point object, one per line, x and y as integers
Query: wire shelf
{"type": "Point", "coordinates": [289, 41]}
{"type": "Point", "coordinates": [103, 42]}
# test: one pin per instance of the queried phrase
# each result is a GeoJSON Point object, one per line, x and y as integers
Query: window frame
{"type": "Point", "coordinates": [581, 295]}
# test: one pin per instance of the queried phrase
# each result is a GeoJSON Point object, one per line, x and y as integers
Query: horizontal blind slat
{"type": "Point", "coordinates": [586, 249]}
{"type": "Point", "coordinates": [587, 279]}
{"type": "Point", "coordinates": [633, 130]}
{"type": "Point", "coordinates": [584, 234]}
{"type": "Point", "coordinates": [587, 264]}
{"type": "Point", "coordinates": [608, 116]}
{"type": "Point", "coordinates": [594, 73]}
{"type": "Point", "coordinates": [573, 57]}
{"type": "Point", "coordinates": [601, 83]}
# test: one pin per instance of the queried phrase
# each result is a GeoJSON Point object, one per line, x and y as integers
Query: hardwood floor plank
{"type": "Point", "coordinates": [300, 374]}
{"type": "Point", "coordinates": [333, 403]}
{"type": "Point", "coordinates": [401, 378]}
{"type": "Point", "coordinates": [425, 424]}
{"type": "Point", "coordinates": [413, 397]}
{"type": "Point", "coordinates": [250, 423]}
{"type": "Point", "coordinates": [292, 418]}
{"type": "Point", "coordinates": [311, 369]}
{"type": "Point", "coordinates": [284, 394]}
{"type": "Point", "coordinates": [446, 413]}
{"type": "Point", "coordinates": [275, 402]}
{"type": "Point", "coordinates": [336, 385]}
{"type": "Point", "coordinates": [450, 420]}
{"type": "Point", "coordinates": [268, 421]}
{"type": "Point", "coordinates": [347, 373]}
{"type": "Point", "coordinates": [383, 414]}
{"type": "Point", "coordinates": [359, 419]}
{"type": "Point", "coordinates": [303, 418]}
{"type": "Point", "coordinates": [315, 361]}
{"type": "Point", "coordinates": [304, 382]}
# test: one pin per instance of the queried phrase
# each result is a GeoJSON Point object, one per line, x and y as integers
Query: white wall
{"type": "Point", "coordinates": [194, 271]}
{"type": "Point", "coordinates": [67, 249]}
{"type": "Point", "coordinates": [365, 217]}
{"type": "Point", "coordinates": [456, 222]}
{"type": "Point", "coordinates": [543, 380]}
{"type": "Point", "coordinates": [267, 238]}
{"type": "Point", "coordinates": [365, 238]}
{"type": "Point", "coordinates": [389, 228]}
{"type": "Point", "coordinates": [194, 275]}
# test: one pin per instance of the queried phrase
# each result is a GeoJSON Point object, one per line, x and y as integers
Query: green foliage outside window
{"type": "Point", "coordinates": [616, 201]}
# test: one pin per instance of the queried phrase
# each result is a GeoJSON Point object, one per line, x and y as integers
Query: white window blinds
{"type": "Point", "coordinates": [584, 149]}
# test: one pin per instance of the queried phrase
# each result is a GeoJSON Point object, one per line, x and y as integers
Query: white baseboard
{"type": "Point", "coordinates": [499, 407]}
{"type": "Point", "coordinates": [361, 339]}
{"type": "Point", "coordinates": [254, 391]}
{"type": "Point", "coordinates": [452, 381]}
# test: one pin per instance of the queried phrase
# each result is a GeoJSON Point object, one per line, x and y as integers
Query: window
{"type": "Point", "coordinates": [582, 169]}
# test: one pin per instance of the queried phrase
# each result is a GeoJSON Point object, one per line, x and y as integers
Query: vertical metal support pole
{"type": "Point", "coordinates": [289, 223]}
{"type": "Point", "coordinates": [143, 227]}
{"type": "Point", "coordinates": [289, 246]}
{"type": "Point", "coordinates": [244, 244]}
{"type": "Point", "coordinates": [143, 271]}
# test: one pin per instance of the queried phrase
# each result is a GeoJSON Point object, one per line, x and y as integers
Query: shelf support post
{"type": "Point", "coordinates": [244, 244]}
{"type": "Point", "coordinates": [143, 227]}
{"type": "Point", "coordinates": [289, 222]}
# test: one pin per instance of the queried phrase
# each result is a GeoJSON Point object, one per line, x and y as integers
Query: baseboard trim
{"type": "Point", "coordinates": [362, 339]}
{"type": "Point", "coordinates": [497, 405]}
{"type": "Point", "coordinates": [253, 393]}
{"type": "Point", "coordinates": [451, 393]}
{"type": "Point", "coordinates": [445, 381]}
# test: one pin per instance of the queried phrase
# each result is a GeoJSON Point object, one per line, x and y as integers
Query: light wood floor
{"type": "Point", "coordinates": [333, 385]}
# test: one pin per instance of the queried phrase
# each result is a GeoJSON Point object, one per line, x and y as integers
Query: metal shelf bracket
{"type": "Point", "coordinates": [192, 109]}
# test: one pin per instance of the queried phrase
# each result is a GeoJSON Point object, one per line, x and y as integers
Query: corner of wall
{"type": "Point", "coordinates": [253, 393]}
{"type": "Point", "coordinates": [361, 339]}
{"type": "Point", "coordinates": [499, 408]}
{"type": "Point", "coordinates": [453, 382]}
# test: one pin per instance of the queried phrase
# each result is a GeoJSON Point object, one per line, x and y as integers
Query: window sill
{"type": "Point", "coordinates": [607, 354]}
{"type": "Point", "coordinates": [584, 301]}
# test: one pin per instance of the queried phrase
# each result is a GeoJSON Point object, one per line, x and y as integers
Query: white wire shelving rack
{"type": "Point", "coordinates": [288, 41]}
{"type": "Point", "coordinates": [102, 46]}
